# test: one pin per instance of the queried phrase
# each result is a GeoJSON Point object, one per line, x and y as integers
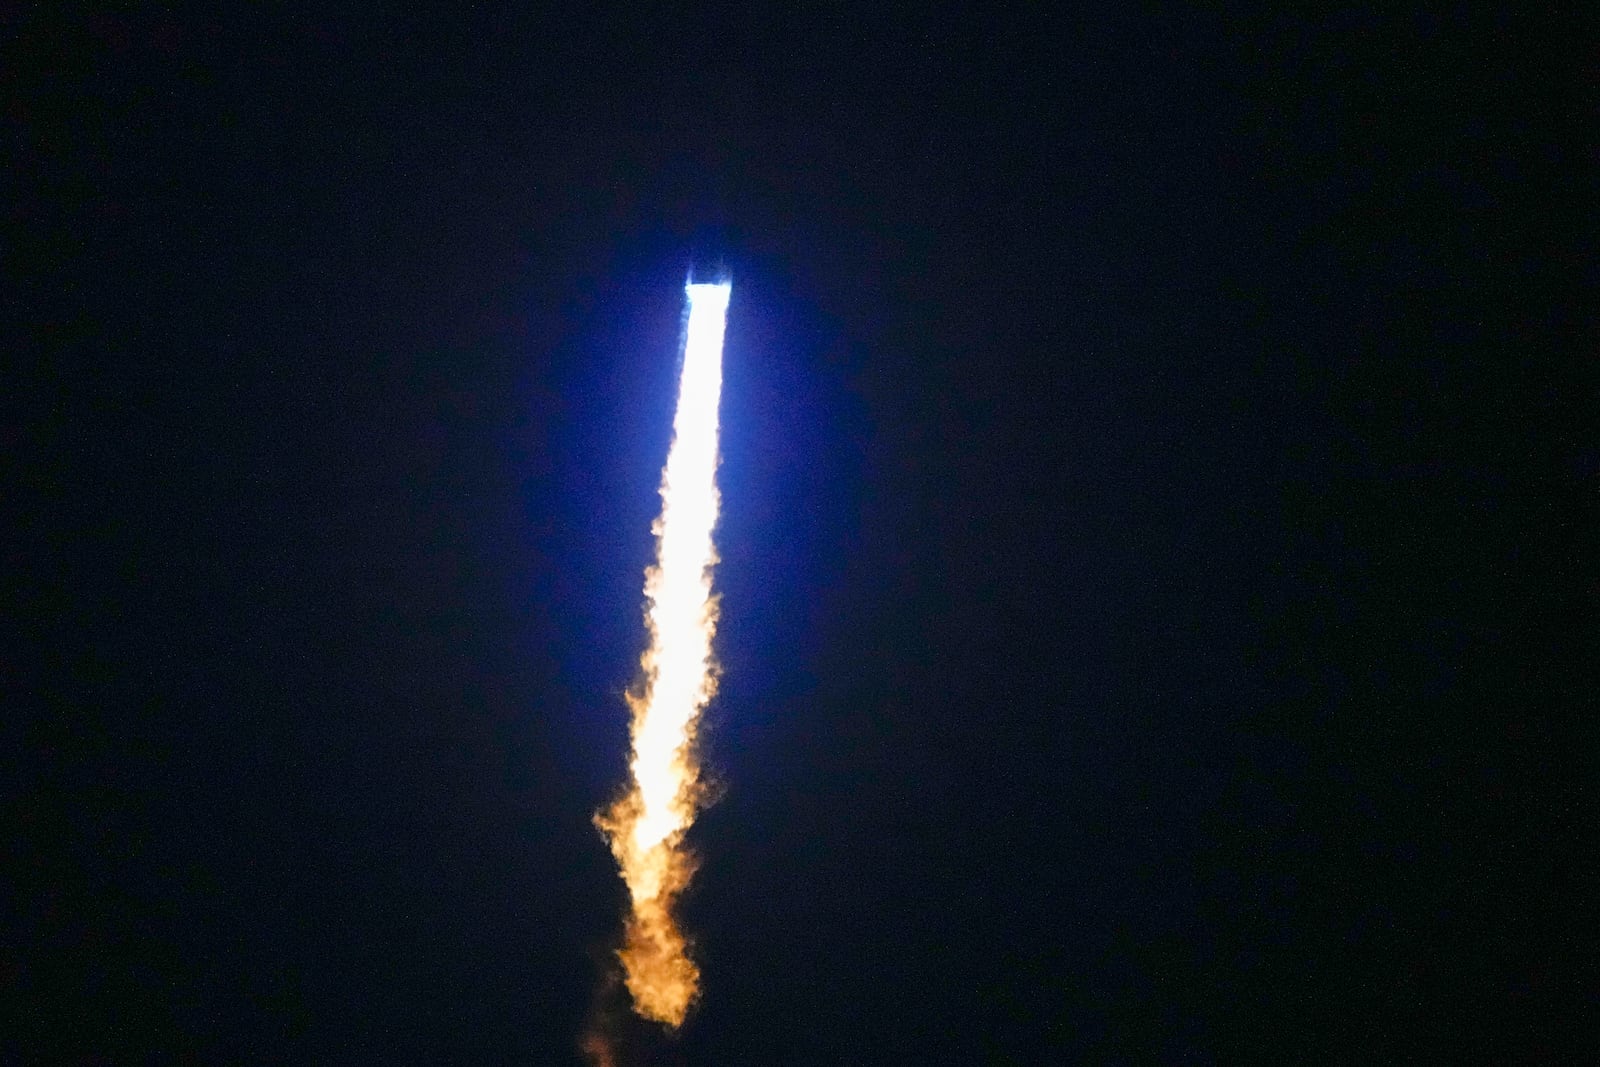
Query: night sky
{"type": "Point", "coordinates": [1149, 596]}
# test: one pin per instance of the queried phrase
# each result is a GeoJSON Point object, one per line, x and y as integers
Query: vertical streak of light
{"type": "Point", "coordinates": [645, 827]}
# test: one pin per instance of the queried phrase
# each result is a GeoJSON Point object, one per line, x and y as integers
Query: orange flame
{"type": "Point", "coordinates": [645, 827]}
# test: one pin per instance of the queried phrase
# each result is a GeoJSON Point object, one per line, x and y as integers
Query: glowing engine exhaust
{"type": "Point", "coordinates": [645, 827]}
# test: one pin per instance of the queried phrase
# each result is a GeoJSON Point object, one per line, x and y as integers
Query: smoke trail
{"type": "Point", "coordinates": [645, 827]}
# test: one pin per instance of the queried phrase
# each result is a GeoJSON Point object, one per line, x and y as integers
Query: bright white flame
{"type": "Point", "coordinates": [680, 587]}
{"type": "Point", "coordinates": [646, 826]}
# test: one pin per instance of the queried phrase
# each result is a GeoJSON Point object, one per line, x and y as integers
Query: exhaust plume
{"type": "Point", "coordinates": [645, 827]}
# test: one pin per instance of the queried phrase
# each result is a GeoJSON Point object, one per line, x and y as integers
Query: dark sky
{"type": "Point", "coordinates": [1148, 604]}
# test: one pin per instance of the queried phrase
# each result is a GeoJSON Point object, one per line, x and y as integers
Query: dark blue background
{"type": "Point", "coordinates": [1147, 593]}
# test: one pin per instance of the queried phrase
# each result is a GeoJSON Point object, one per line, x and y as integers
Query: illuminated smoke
{"type": "Point", "coordinates": [646, 826]}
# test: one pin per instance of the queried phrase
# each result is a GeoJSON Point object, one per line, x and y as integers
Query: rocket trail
{"type": "Point", "coordinates": [645, 827]}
